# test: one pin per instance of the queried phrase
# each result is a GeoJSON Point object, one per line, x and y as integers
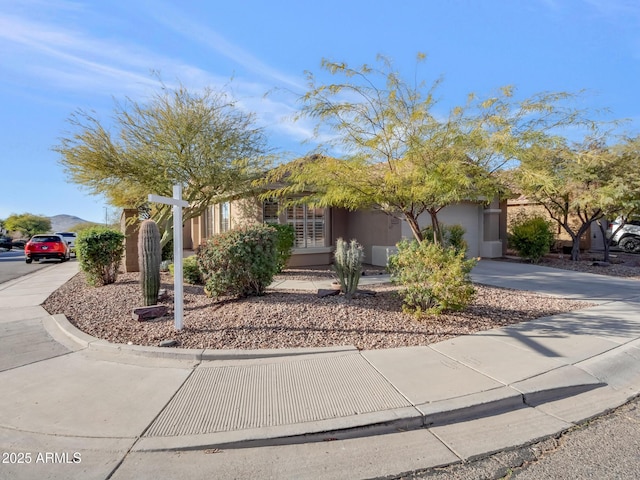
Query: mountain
{"type": "Point", "coordinates": [62, 223]}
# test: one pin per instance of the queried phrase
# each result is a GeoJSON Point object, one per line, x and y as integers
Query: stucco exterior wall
{"type": "Point", "coordinates": [485, 226]}
{"type": "Point", "coordinates": [241, 213]}
{"type": "Point", "coordinates": [469, 215]}
{"type": "Point", "coordinates": [311, 256]}
{"type": "Point", "coordinates": [339, 225]}
{"type": "Point", "coordinates": [485, 229]}
{"type": "Point", "coordinates": [187, 240]}
{"type": "Point", "coordinates": [129, 226]}
{"type": "Point", "coordinates": [197, 237]}
{"type": "Point", "coordinates": [371, 228]}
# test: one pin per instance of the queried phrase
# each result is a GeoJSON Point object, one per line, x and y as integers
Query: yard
{"type": "Point", "coordinates": [287, 318]}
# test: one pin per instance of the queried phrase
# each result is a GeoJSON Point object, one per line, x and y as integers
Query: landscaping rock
{"type": "Point", "coordinates": [294, 318]}
{"type": "Point", "coordinates": [369, 293]}
{"type": "Point", "coordinates": [145, 313]}
{"type": "Point", "coordinates": [168, 343]}
{"type": "Point", "coordinates": [324, 292]}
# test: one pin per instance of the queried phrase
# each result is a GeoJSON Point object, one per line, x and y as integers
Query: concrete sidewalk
{"type": "Point", "coordinates": [138, 411]}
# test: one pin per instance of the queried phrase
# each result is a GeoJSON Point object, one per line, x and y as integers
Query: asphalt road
{"type": "Point", "coordinates": [12, 265]}
{"type": "Point", "coordinates": [607, 447]}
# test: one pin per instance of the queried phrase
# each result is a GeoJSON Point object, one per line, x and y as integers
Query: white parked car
{"type": "Point", "coordinates": [626, 236]}
{"type": "Point", "coordinates": [70, 238]}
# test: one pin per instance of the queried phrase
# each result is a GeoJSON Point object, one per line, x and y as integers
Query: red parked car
{"type": "Point", "coordinates": [47, 246]}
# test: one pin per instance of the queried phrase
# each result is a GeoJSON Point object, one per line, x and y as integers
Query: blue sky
{"type": "Point", "coordinates": [58, 56]}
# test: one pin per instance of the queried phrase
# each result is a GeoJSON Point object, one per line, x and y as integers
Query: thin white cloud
{"type": "Point", "coordinates": [173, 18]}
{"type": "Point", "coordinates": [75, 60]}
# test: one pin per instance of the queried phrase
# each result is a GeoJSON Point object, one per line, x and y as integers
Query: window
{"type": "Point", "coordinates": [225, 220]}
{"type": "Point", "coordinates": [270, 211]}
{"type": "Point", "coordinates": [308, 224]}
{"type": "Point", "coordinates": [45, 239]}
{"type": "Point", "coordinates": [208, 222]}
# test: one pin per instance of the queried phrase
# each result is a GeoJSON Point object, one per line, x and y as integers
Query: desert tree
{"type": "Point", "coordinates": [399, 151]}
{"type": "Point", "coordinates": [625, 202]}
{"type": "Point", "coordinates": [202, 141]}
{"type": "Point", "coordinates": [27, 224]}
{"type": "Point", "coordinates": [579, 183]}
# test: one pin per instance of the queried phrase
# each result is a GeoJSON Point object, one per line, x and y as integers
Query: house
{"type": "Point", "coordinates": [591, 240]}
{"type": "Point", "coordinates": [318, 228]}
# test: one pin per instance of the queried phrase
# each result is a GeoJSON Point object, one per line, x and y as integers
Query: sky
{"type": "Point", "coordinates": [60, 56]}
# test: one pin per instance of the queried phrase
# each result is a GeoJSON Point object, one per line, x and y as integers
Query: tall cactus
{"type": "Point", "coordinates": [348, 265]}
{"type": "Point", "coordinates": [149, 258]}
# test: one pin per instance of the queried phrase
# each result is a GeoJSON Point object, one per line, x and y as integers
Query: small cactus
{"type": "Point", "coordinates": [348, 265]}
{"type": "Point", "coordinates": [150, 258]}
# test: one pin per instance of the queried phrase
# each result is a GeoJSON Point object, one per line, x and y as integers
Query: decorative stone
{"type": "Point", "coordinates": [600, 264]}
{"type": "Point", "coordinates": [168, 343]}
{"type": "Point", "coordinates": [370, 293]}
{"type": "Point", "coordinates": [324, 292]}
{"type": "Point", "coordinates": [145, 313]}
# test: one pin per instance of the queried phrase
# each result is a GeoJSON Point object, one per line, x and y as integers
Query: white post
{"type": "Point", "coordinates": [177, 204]}
{"type": "Point", "coordinates": [178, 295]}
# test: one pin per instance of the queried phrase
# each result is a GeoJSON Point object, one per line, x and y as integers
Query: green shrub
{"type": "Point", "coordinates": [190, 270]}
{"type": "Point", "coordinates": [531, 236]}
{"type": "Point", "coordinates": [452, 236]}
{"type": "Point", "coordinates": [167, 251]}
{"type": "Point", "coordinates": [348, 265]}
{"type": "Point", "coordinates": [239, 262]}
{"type": "Point", "coordinates": [99, 251]}
{"type": "Point", "coordinates": [435, 278]}
{"type": "Point", "coordinates": [284, 246]}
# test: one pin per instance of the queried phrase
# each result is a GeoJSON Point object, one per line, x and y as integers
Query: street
{"type": "Point", "coordinates": [604, 448]}
{"type": "Point", "coordinates": [12, 265]}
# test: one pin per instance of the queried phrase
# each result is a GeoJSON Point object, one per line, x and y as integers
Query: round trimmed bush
{"type": "Point", "coordinates": [99, 251]}
{"type": "Point", "coordinates": [531, 236]}
{"type": "Point", "coordinates": [435, 278]}
{"type": "Point", "coordinates": [239, 262]}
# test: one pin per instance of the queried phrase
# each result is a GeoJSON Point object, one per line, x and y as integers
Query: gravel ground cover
{"type": "Point", "coordinates": [621, 264]}
{"type": "Point", "coordinates": [287, 318]}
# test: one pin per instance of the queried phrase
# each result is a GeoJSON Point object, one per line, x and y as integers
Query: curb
{"type": "Point", "coordinates": [599, 383]}
{"type": "Point", "coordinates": [85, 341]}
{"type": "Point", "coordinates": [530, 393]}
{"type": "Point", "coordinates": [439, 414]}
